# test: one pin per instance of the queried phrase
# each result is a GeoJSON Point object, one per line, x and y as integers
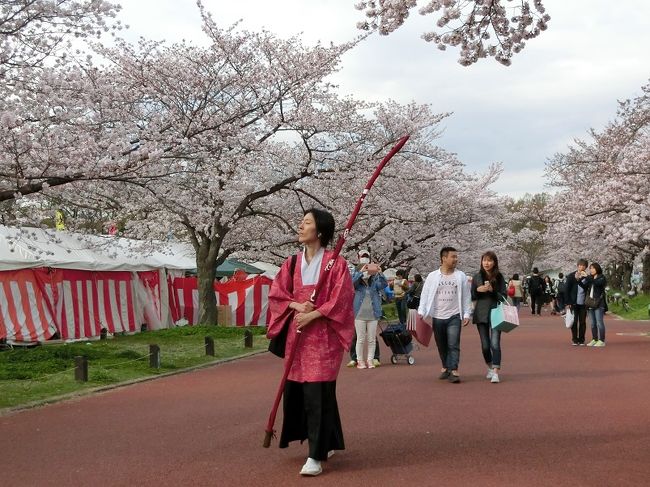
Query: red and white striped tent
{"type": "Point", "coordinates": [71, 286]}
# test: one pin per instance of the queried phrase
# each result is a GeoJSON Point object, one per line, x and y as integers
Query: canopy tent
{"type": "Point", "coordinates": [27, 248]}
{"type": "Point", "coordinates": [270, 270]}
{"type": "Point", "coordinates": [229, 266]}
{"type": "Point", "coordinates": [57, 284]}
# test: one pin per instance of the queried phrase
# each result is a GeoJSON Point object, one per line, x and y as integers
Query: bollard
{"type": "Point", "coordinates": [248, 339]}
{"type": "Point", "coordinates": [81, 369]}
{"type": "Point", "coordinates": [209, 346]}
{"type": "Point", "coordinates": [154, 356]}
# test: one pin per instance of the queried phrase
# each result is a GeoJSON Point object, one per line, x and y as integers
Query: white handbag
{"type": "Point", "coordinates": [568, 318]}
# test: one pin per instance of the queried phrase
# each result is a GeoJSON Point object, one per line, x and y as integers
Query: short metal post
{"type": "Point", "coordinates": [248, 339]}
{"type": "Point", "coordinates": [154, 356]}
{"type": "Point", "coordinates": [209, 346]}
{"type": "Point", "coordinates": [81, 369]}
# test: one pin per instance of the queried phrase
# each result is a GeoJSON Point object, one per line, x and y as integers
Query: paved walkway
{"type": "Point", "coordinates": [562, 416]}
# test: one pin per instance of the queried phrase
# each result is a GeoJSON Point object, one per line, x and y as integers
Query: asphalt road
{"type": "Point", "coordinates": [561, 416]}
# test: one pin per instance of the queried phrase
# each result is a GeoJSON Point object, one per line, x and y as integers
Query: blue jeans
{"type": "Point", "coordinates": [490, 344]}
{"type": "Point", "coordinates": [447, 335]}
{"type": "Point", "coordinates": [597, 318]}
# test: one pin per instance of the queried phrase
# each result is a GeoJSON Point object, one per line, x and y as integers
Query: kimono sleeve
{"type": "Point", "coordinates": [280, 297]}
{"type": "Point", "coordinates": [337, 305]}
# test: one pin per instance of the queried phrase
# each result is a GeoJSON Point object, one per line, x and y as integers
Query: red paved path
{"type": "Point", "coordinates": [562, 416]}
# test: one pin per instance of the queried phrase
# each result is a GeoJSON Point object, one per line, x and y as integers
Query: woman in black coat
{"type": "Point", "coordinates": [488, 288]}
{"type": "Point", "coordinates": [594, 285]}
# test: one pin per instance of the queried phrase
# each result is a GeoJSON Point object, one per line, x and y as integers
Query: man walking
{"type": "Point", "coordinates": [574, 299]}
{"type": "Point", "coordinates": [536, 291]}
{"type": "Point", "coordinates": [446, 300]}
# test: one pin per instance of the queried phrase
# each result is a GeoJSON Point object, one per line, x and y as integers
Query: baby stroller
{"type": "Point", "coordinates": [399, 339]}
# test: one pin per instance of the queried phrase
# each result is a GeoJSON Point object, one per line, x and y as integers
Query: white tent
{"type": "Point", "coordinates": [270, 270]}
{"type": "Point", "coordinates": [73, 284]}
{"type": "Point", "coordinates": [23, 248]}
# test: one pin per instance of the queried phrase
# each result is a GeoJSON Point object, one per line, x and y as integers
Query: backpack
{"type": "Point", "coordinates": [561, 286]}
{"type": "Point", "coordinates": [535, 285]}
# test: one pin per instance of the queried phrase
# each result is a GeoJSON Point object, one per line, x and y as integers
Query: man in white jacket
{"type": "Point", "coordinates": [446, 300]}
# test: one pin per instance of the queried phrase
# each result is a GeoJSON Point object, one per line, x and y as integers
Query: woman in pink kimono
{"type": "Point", "coordinates": [324, 330]}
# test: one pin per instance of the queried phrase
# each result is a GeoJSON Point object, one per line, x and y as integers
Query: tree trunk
{"type": "Point", "coordinates": [645, 287]}
{"type": "Point", "coordinates": [627, 275]}
{"type": "Point", "coordinates": [206, 268]}
{"type": "Point", "coordinates": [615, 277]}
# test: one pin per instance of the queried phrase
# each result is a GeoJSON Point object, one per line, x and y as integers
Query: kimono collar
{"type": "Point", "coordinates": [310, 272]}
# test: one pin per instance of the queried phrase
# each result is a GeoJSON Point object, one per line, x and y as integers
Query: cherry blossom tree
{"type": "Point", "coordinates": [34, 30]}
{"type": "Point", "coordinates": [606, 182]}
{"type": "Point", "coordinates": [245, 118]}
{"type": "Point", "coordinates": [44, 106]}
{"type": "Point", "coordinates": [481, 28]}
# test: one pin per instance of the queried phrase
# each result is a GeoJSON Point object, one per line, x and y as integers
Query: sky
{"type": "Point", "coordinates": [563, 83]}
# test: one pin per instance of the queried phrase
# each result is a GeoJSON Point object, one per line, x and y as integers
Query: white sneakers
{"type": "Point", "coordinates": [492, 375]}
{"type": "Point", "coordinates": [311, 467]}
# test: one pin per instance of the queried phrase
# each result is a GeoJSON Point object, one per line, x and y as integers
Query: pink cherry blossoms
{"type": "Point", "coordinates": [479, 28]}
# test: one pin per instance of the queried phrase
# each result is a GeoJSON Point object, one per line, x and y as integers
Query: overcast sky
{"type": "Point", "coordinates": [567, 80]}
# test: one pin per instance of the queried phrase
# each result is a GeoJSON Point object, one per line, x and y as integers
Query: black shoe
{"type": "Point", "coordinates": [444, 375]}
{"type": "Point", "coordinates": [454, 379]}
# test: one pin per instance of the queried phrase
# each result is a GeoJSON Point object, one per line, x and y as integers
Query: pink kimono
{"type": "Point", "coordinates": [324, 341]}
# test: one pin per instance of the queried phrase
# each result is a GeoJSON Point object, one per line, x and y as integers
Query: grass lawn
{"type": "Point", "coordinates": [390, 312]}
{"type": "Point", "coordinates": [39, 373]}
{"type": "Point", "coordinates": [638, 307]}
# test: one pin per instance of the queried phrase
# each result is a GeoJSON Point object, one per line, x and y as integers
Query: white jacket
{"type": "Point", "coordinates": [427, 299]}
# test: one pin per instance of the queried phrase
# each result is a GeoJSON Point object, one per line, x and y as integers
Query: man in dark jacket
{"type": "Point", "coordinates": [536, 291]}
{"type": "Point", "coordinates": [574, 299]}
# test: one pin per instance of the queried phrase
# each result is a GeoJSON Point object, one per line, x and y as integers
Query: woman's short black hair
{"type": "Point", "coordinates": [324, 225]}
{"type": "Point", "coordinates": [417, 278]}
{"type": "Point", "coordinates": [515, 277]}
{"type": "Point", "coordinates": [596, 265]}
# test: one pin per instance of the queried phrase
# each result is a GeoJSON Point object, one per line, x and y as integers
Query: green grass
{"type": "Point", "coordinates": [33, 374]}
{"type": "Point", "coordinates": [389, 311]}
{"type": "Point", "coordinates": [638, 307]}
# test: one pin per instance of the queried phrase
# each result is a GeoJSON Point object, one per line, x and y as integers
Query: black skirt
{"type": "Point", "coordinates": [311, 413]}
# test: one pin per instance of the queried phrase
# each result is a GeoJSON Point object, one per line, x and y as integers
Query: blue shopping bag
{"type": "Point", "coordinates": [504, 317]}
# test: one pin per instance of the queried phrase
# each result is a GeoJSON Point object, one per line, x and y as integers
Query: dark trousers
{"type": "Point", "coordinates": [579, 323]}
{"type": "Point", "coordinates": [490, 344]}
{"type": "Point", "coordinates": [447, 335]}
{"type": "Point", "coordinates": [353, 349]}
{"type": "Point", "coordinates": [312, 413]}
{"type": "Point", "coordinates": [400, 305]}
{"type": "Point", "coordinates": [536, 302]}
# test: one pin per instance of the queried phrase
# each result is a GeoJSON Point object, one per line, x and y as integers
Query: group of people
{"type": "Point", "coordinates": [542, 291]}
{"type": "Point", "coordinates": [579, 293]}
{"type": "Point", "coordinates": [323, 327]}
{"type": "Point", "coordinates": [584, 294]}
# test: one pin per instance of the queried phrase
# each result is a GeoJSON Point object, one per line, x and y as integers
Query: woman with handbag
{"type": "Point", "coordinates": [594, 285]}
{"type": "Point", "coordinates": [515, 290]}
{"type": "Point", "coordinates": [488, 288]}
{"type": "Point", "coordinates": [324, 331]}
